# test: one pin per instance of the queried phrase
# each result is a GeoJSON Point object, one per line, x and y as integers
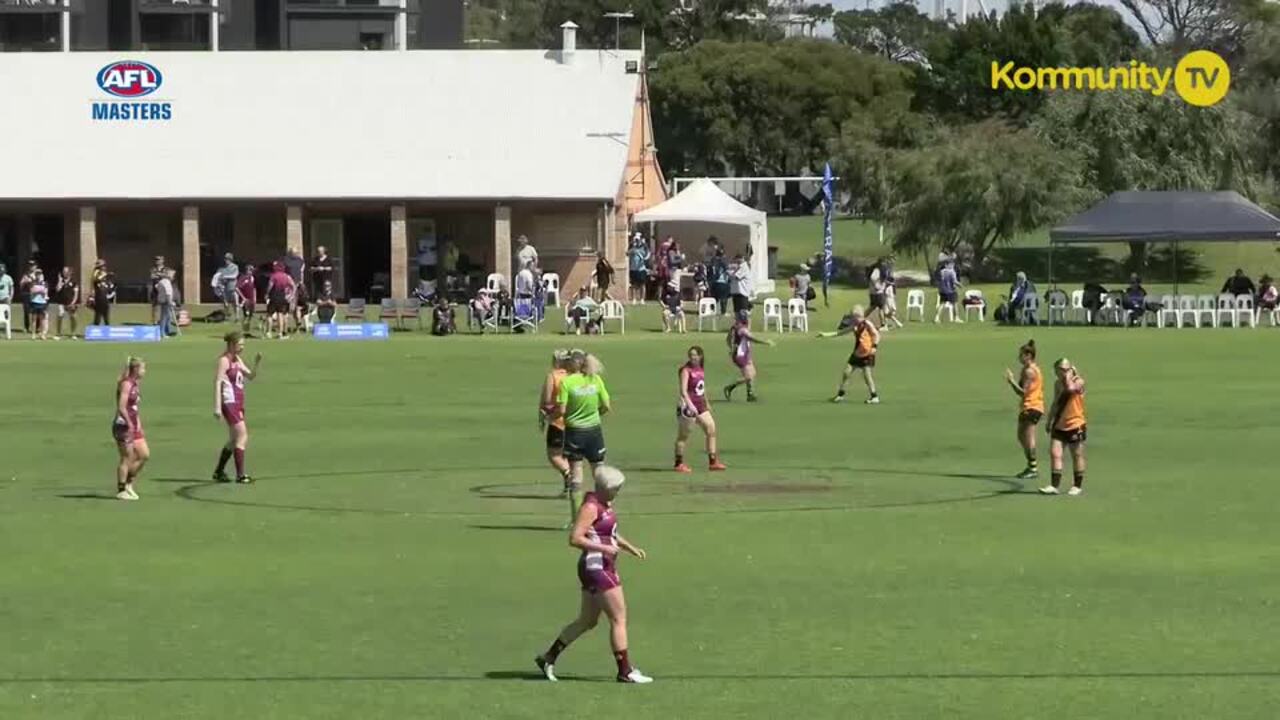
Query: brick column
{"type": "Point", "coordinates": [502, 242]}
{"type": "Point", "coordinates": [293, 228]}
{"type": "Point", "coordinates": [399, 253]}
{"type": "Point", "coordinates": [88, 244]}
{"type": "Point", "coordinates": [191, 278]}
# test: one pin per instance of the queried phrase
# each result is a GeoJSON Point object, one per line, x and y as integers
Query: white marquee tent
{"type": "Point", "coordinates": [703, 209]}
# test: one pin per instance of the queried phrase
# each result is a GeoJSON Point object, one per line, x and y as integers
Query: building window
{"type": "Point", "coordinates": [186, 31]}
{"type": "Point", "coordinates": [30, 32]}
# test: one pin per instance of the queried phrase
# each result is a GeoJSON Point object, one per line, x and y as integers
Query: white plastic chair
{"type": "Point", "coordinates": [412, 310]}
{"type": "Point", "coordinates": [1030, 308]}
{"type": "Point", "coordinates": [915, 301]}
{"type": "Point", "coordinates": [551, 288]}
{"type": "Point", "coordinates": [1207, 306]}
{"type": "Point", "coordinates": [1078, 310]}
{"type": "Point", "coordinates": [613, 310]}
{"type": "Point", "coordinates": [494, 282]}
{"type": "Point", "coordinates": [1187, 308]}
{"type": "Point", "coordinates": [797, 315]}
{"type": "Point", "coordinates": [1274, 314]}
{"type": "Point", "coordinates": [1226, 309]}
{"type": "Point", "coordinates": [772, 310]}
{"type": "Point", "coordinates": [1168, 308]}
{"type": "Point", "coordinates": [979, 307]}
{"type": "Point", "coordinates": [354, 310]}
{"type": "Point", "coordinates": [389, 311]}
{"type": "Point", "coordinates": [1057, 307]}
{"type": "Point", "coordinates": [1112, 311]}
{"type": "Point", "coordinates": [1244, 311]}
{"type": "Point", "coordinates": [708, 308]}
{"type": "Point", "coordinates": [6, 317]}
{"type": "Point", "coordinates": [524, 314]}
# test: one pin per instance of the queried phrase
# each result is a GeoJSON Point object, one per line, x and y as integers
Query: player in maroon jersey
{"type": "Point", "coordinates": [695, 409]}
{"type": "Point", "coordinates": [228, 404]}
{"type": "Point", "coordinates": [595, 532]}
{"type": "Point", "coordinates": [740, 341]}
{"type": "Point", "coordinates": [246, 296]}
{"type": "Point", "coordinates": [126, 429]}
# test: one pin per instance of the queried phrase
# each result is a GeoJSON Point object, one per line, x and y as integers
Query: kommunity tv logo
{"type": "Point", "coordinates": [1201, 78]}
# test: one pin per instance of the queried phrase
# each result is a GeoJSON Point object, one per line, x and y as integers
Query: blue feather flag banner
{"type": "Point", "coordinates": [828, 245]}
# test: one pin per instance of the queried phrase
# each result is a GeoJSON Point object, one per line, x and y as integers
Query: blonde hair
{"type": "Point", "coordinates": [131, 365]}
{"type": "Point", "coordinates": [592, 365]}
{"type": "Point", "coordinates": [608, 478]}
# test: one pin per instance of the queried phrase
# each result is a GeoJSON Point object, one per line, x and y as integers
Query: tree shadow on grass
{"type": "Point", "coordinates": [527, 528]}
{"type": "Point", "coordinates": [533, 676]}
{"type": "Point", "coordinates": [87, 496]}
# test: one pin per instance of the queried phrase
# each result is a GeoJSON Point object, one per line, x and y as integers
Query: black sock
{"type": "Point", "coordinates": [624, 663]}
{"type": "Point", "coordinates": [1078, 480]}
{"type": "Point", "coordinates": [840, 392]}
{"type": "Point", "coordinates": [712, 458]}
{"type": "Point", "coordinates": [1055, 478]}
{"type": "Point", "coordinates": [679, 459]}
{"type": "Point", "coordinates": [223, 459]}
{"type": "Point", "coordinates": [554, 651]}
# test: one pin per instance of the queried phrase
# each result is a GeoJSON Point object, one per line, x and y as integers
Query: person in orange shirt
{"type": "Point", "coordinates": [1067, 427]}
{"type": "Point", "coordinates": [866, 342]}
{"type": "Point", "coordinates": [1030, 388]}
{"type": "Point", "coordinates": [550, 420]}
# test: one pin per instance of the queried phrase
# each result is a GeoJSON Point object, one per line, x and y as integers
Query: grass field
{"type": "Point", "coordinates": [401, 555]}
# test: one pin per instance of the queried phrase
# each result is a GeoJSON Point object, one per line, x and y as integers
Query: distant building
{"type": "Point", "coordinates": [127, 155]}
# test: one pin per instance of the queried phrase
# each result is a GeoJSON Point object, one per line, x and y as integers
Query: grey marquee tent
{"type": "Point", "coordinates": [1167, 216]}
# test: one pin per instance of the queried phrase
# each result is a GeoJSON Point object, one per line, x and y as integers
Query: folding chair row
{"type": "Point", "coordinates": [390, 310]}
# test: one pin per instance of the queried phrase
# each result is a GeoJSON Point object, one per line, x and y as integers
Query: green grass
{"type": "Point", "coordinates": [401, 554]}
{"type": "Point", "coordinates": [798, 238]}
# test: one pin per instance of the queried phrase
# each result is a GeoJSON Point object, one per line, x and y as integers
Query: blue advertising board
{"type": "Point", "coordinates": [125, 333]}
{"type": "Point", "coordinates": [351, 331]}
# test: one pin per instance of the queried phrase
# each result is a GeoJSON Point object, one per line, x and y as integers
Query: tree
{"type": "Point", "coordinates": [897, 32]}
{"type": "Point", "coordinates": [957, 82]}
{"type": "Point", "coordinates": [1137, 141]}
{"type": "Point", "coordinates": [758, 108]}
{"type": "Point", "coordinates": [978, 187]}
{"type": "Point", "coordinates": [1185, 25]}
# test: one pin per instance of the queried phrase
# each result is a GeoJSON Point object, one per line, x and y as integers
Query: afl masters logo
{"type": "Point", "coordinates": [131, 80]}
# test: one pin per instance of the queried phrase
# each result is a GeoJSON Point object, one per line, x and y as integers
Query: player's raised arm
{"type": "Point", "coordinates": [252, 372]}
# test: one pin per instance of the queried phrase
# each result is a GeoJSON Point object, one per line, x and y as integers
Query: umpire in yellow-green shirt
{"type": "Point", "coordinates": [583, 398]}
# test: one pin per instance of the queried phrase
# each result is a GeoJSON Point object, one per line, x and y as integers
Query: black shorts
{"type": "Point", "coordinates": [868, 361]}
{"type": "Point", "coordinates": [585, 444]}
{"type": "Point", "coordinates": [555, 437]}
{"type": "Point", "coordinates": [740, 303]}
{"type": "Point", "coordinates": [877, 301]}
{"type": "Point", "coordinates": [640, 277]}
{"type": "Point", "coordinates": [1030, 417]}
{"type": "Point", "coordinates": [277, 305]}
{"type": "Point", "coordinates": [1070, 437]}
{"type": "Point", "coordinates": [947, 297]}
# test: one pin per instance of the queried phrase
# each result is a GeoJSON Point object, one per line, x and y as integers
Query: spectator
{"type": "Point", "coordinates": [741, 285]}
{"type": "Point", "coordinates": [6, 286]}
{"type": "Point", "coordinates": [1135, 299]}
{"type": "Point", "coordinates": [321, 268]}
{"type": "Point", "coordinates": [661, 263]}
{"type": "Point", "coordinates": [442, 317]}
{"type": "Point", "coordinates": [280, 296]}
{"type": "Point", "coordinates": [875, 291]}
{"type": "Point", "coordinates": [1019, 292]}
{"type": "Point", "coordinates": [224, 284]}
{"type": "Point", "coordinates": [710, 249]}
{"type": "Point", "coordinates": [583, 312]}
{"type": "Point", "coordinates": [1092, 300]}
{"type": "Point", "coordinates": [158, 272]}
{"type": "Point", "coordinates": [675, 258]}
{"type": "Point", "coordinates": [526, 254]}
{"type": "Point", "coordinates": [718, 277]}
{"type": "Point", "coordinates": [38, 299]}
{"type": "Point", "coordinates": [102, 292]}
{"type": "Point", "coordinates": [700, 285]}
{"type": "Point", "coordinates": [326, 303]}
{"type": "Point", "coordinates": [166, 301]}
{"type": "Point", "coordinates": [526, 282]}
{"type": "Point", "coordinates": [948, 286]}
{"type": "Point", "coordinates": [604, 277]}
{"type": "Point", "coordinates": [294, 265]}
{"type": "Point", "coordinates": [802, 285]}
{"type": "Point", "coordinates": [246, 296]}
{"type": "Point", "coordinates": [483, 307]}
{"type": "Point", "coordinates": [449, 258]}
{"type": "Point", "coordinates": [638, 258]}
{"type": "Point", "coordinates": [672, 309]}
{"type": "Point", "coordinates": [1239, 284]}
{"type": "Point", "coordinates": [890, 291]}
{"type": "Point", "coordinates": [67, 295]}
{"type": "Point", "coordinates": [1267, 294]}
{"type": "Point", "coordinates": [425, 292]}
{"type": "Point", "coordinates": [24, 294]}
{"type": "Point", "coordinates": [428, 257]}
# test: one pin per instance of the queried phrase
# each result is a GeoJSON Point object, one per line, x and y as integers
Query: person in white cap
{"type": "Point", "coordinates": [638, 256]}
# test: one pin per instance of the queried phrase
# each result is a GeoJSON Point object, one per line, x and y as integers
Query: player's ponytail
{"type": "Point", "coordinates": [1029, 350]}
{"type": "Point", "coordinates": [592, 365]}
{"type": "Point", "coordinates": [131, 365]}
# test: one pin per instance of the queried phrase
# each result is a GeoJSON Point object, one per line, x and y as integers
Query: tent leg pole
{"type": "Point", "coordinates": [1052, 286]}
{"type": "Point", "coordinates": [1175, 267]}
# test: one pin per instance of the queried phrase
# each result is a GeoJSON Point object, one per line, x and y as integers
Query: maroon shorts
{"type": "Point", "coordinates": [122, 434]}
{"type": "Point", "coordinates": [233, 414]}
{"type": "Point", "coordinates": [742, 362]}
{"type": "Point", "coordinates": [597, 581]}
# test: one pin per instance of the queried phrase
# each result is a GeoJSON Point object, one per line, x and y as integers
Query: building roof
{"type": "Point", "coordinates": [1166, 216]}
{"type": "Point", "coordinates": [468, 124]}
{"type": "Point", "coordinates": [702, 201]}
